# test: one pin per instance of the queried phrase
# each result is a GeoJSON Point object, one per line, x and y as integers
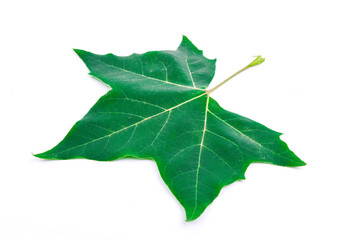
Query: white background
{"type": "Point", "coordinates": [308, 88]}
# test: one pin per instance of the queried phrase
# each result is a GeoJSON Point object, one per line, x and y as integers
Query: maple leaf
{"type": "Point", "coordinates": [158, 109]}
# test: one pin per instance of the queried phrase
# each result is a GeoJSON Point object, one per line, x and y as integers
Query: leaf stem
{"type": "Point", "coordinates": [254, 63]}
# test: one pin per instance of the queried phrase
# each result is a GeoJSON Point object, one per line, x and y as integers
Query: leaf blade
{"type": "Point", "coordinates": [158, 108]}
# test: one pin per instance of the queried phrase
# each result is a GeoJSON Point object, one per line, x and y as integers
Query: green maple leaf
{"type": "Point", "coordinates": [158, 109]}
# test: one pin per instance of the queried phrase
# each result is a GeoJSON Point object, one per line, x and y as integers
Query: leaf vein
{"type": "Point", "coordinates": [134, 124]}
{"type": "Point", "coordinates": [148, 77]}
{"type": "Point", "coordinates": [188, 68]}
{"type": "Point", "coordinates": [163, 126]}
{"type": "Point", "coordinates": [199, 161]}
{"type": "Point", "coordinates": [226, 163]}
{"type": "Point", "coordinates": [252, 140]}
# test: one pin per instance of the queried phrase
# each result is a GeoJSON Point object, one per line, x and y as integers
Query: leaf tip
{"type": "Point", "coordinates": [187, 45]}
{"type": "Point", "coordinates": [79, 52]}
{"type": "Point", "coordinates": [193, 214]}
{"type": "Point", "coordinates": [38, 155]}
{"type": "Point", "coordinates": [190, 218]}
{"type": "Point", "coordinates": [301, 163]}
{"type": "Point", "coordinates": [185, 38]}
{"type": "Point", "coordinates": [185, 41]}
{"type": "Point", "coordinates": [44, 155]}
{"type": "Point", "coordinates": [295, 162]}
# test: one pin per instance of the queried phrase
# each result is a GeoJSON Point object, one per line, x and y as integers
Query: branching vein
{"type": "Point", "coordinates": [251, 140]}
{"type": "Point", "coordinates": [190, 74]}
{"type": "Point", "coordinates": [151, 78]}
{"type": "Point", "coordinates": [134, 124]}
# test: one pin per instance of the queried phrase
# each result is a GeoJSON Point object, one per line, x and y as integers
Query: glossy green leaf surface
{"type": "Point", "coordinates": [158, 109]}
